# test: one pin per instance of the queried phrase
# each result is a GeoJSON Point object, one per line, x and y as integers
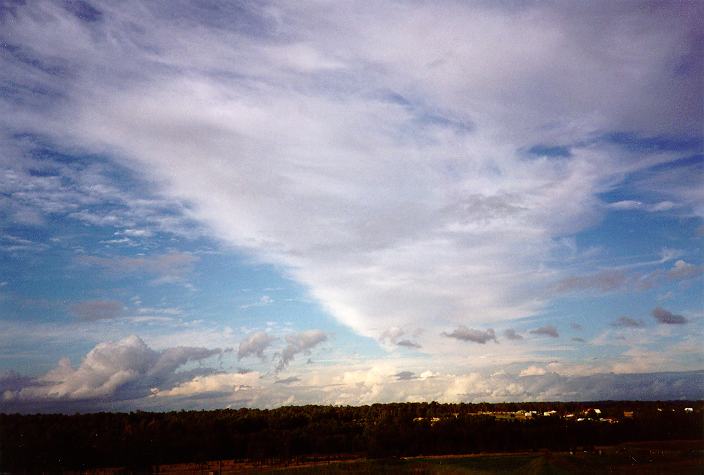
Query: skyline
{"type": "Point", "coordinates": [230, 204]}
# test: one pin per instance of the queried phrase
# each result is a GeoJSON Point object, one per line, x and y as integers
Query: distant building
{"type": "Point", "coordinates": [628, 414]}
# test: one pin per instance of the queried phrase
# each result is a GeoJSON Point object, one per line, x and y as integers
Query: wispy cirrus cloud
{"type": "Point", "coordinates": [91, 310]}
{"type": "Point", "coordinates": [337, 106]}
{"type": "Point", "coordinates": [163, 268]}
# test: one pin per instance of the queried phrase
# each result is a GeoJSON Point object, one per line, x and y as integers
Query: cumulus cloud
{"type": "Point", "coordinates": [533, 371]}
{"type": "Point", "coordinates": [511, 334]}
{"type": "Point", "coordinates": [294, 138]}
{"type": "Point", "coordinates": [297, 343]}
{"type": "Point", "coordinates": [91, 310]}
{"type": "Point", "coordinates": [547, 330]}
{"type": "Point", "coordinates": [255, 344]}
{"type": "Point", "coordinates": [118, 370]}
{"type": "Point", "coordinates": [627, 322]}
{"type": "Point", "coordinates": [668, 318]}
{"type": "Point", "coordinates": [470, 334]}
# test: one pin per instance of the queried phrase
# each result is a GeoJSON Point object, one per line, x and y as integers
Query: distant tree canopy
{"type": "Point", "coordinates": [143, 439]}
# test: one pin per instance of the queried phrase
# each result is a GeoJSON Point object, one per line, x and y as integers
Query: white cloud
{"type": "Point", "coordinates": [113, 370]}
{"type": "Point", "coordinates": [212, 383]}
{"type": "Point", "coordinates": [533, 371]}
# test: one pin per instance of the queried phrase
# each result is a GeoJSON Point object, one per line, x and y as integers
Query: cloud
{"type": "Point", "coordinates": [211, 384]}
{"type": "Point", "coordinates": [605, 281]}
{"type": "Point", "coordinates": [578, 339]}
{"type": "Point", "coordinates": [119, 370]}
{"type": "Point", "coordinates": [405, 375]}
{"type": "Point", "coordinates": [628, 205]}
{"type": "Point", "coordinates": [547, 330]}
{"type": "Point", "coordinates": [91, 310]}
{"type": "Point", "coordinates": [290, 380]}
{"type": "Point", "coordinates": [408, 344]}
{"type": "Point", "coordinates": [683, 270]}
{"type": "Point", "coordinates": [165, 268]}
{"type": "Point", "coordinates": [255, 344]}
{"type": "Point", "coordinates": [627, 322]}
{"type": "Point", "coordinates": [470, 334]}
{"type": "Point", "coordinates": [533, 371]}
{"type": "Point", "coordinates": [668, 318]}
{"type": "Point", "coordinates": [511, 334]}
{"type": "Point", "coordinates": [297, 343]}
{"type": "Point", "coordinates": [263, 301]}
{"type": "Point", "coordinates": [388, 183]}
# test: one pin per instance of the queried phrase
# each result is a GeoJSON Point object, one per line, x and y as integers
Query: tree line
{"type": "Point", "coordinates": [144, 439]}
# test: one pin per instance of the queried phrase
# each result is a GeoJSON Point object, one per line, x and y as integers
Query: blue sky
{"type": "Point", "coordinates": [227, 204]}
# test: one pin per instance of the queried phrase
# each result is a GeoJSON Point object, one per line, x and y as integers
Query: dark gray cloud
{"type": "Point", "coordinates": [290, 380]}
{"type": "Point", "coordinates": [627, 322]}
{"type": "Point", "coordinates": [578, 339]}
{"type": "Point", "coordinates": [668, 318]}
{"type": "Point", "coordinates": [255, 344]}
{"type": "Point", "coordinates": [470, 334]}
{"type": "Point", "coordinates": [408, 344]}
{"type": "Point", "coordinates": [405, 375]}
{"type": "Point", "coordinates": [91, 310]}
{"type": "Point", "coordinates": [511, 334]}
{"type": "Point", "coordinates": [547, 330]}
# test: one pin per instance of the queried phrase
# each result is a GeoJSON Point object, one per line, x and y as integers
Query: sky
{"type": "Point", "coordinates": [255, 204]}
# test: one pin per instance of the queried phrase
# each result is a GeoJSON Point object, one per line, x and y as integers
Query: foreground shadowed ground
{"type": "Point", "coordinates": [382, 438]}
{"type": "Point", "coordinates": [671, 457]}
